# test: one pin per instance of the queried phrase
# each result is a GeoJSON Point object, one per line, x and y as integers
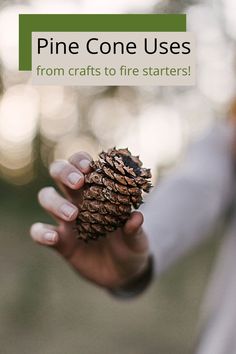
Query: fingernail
{"type": "Point", "coordinates": [74, 178]}
{"type": "Point", "coordinates": [50, 236]}
{"type": "Point", "coordinates": [84, 164]}
{"type": "Point", "coordinates": [68, 210]}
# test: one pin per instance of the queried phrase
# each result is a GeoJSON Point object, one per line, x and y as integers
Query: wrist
{"type": "Point", "coordinates": [137, 285]}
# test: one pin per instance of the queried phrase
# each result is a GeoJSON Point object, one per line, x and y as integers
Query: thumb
{"type": "Point", "coordinates": [133, 234]}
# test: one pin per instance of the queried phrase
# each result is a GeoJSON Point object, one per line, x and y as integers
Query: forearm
{"type": "Point", "coordinates": [184, 208]}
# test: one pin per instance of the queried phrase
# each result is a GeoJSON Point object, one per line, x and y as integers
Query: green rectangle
{"type": "Point", "coordinates": [91, 23]}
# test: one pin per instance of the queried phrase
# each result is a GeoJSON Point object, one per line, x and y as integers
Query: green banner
{"type": "Point", "coordinates": [92, 23]}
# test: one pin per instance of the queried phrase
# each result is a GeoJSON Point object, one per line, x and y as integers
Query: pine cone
{"type": "Point", "coordinates": [111, 189]}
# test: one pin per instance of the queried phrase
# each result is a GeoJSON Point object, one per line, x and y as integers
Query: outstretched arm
{"type": "Point", "coordinates": [186, 205]}
{"type": "Point", "coordinates": [178, 215]}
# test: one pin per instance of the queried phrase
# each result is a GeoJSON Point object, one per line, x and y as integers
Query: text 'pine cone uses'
{"type": "Point", "coordinates": [114, 186]}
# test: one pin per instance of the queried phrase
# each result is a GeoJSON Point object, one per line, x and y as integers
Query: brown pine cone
{"type": "Point", "coordinates": [113, 187]}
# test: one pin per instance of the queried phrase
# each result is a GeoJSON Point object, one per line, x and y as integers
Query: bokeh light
{"type": "Point", "coordinates": [156, 135]}
{"type": "Point", "coordinates": [59, 112]}
{"type": "Point", "coordinates": [71, 144]}
{"type": "Point", "coordinates": [109, 119]}
{"type": "Point", "coordinates": [19, 109]}
{"type": "Point", "coordinates": [155, 122]}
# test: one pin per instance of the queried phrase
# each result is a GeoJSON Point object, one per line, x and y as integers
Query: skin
{"type": "Point", "coordinates": [110, 262]}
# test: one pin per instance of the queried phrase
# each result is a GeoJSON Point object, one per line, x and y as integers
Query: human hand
{"type": "Point", "coordinates": [110, 262]}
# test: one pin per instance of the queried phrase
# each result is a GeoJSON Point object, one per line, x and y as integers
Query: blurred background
{"type": "Point", "coordinates": [44, 307]}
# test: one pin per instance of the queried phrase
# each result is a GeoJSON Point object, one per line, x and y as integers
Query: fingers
{"type": "Point", "coordinates": [44, 234]}
{"type": "Point", "coordinates": [70, 175]}
{"type": "Point", "coordinates": [58, 206]}
{"type": "Point", "coordinates": [67, 174]}
{"type": "Point", "coordinates": [133, 233]}
{"type": "Point", "coordinates": [81, 160]}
